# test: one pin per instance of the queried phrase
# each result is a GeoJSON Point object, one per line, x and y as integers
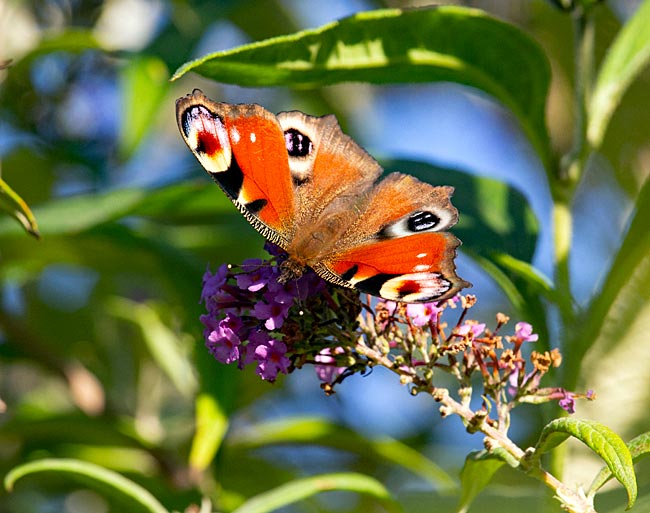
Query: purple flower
{"type": "Point", "coordinates": [276, 307]}
{"type": "Point", "coordinates": [524, 332]}
{"type": "Point", "coordinates": [327, 371]}
{"type": "Point", "coordinates": [256, 338]}
{"type": "Point", "coordinates": [274, 249]}
{"type": "Point", "coordinates": [272, 359]}
{"type": "Point", "coordinates": [422, 313]}
{"type": "Point", "coordinates": [530, 380]}
{"type": "Point", "coordinates": [568, 402]}
{"type": "Point", "coordinates": [213, 282]}
{"type": "Point", "coordinates": [280, 294]}
{"type": "Point", "coordinates": [391, 306]}
{"type": "Point", "coordinates": [309, 284]}
{"type": "Point", "coordinates": [471, 330]}
{"type": "Point", "coordinates": [256, 275]}
{"type": "Point", "coordinates": [224, 342]}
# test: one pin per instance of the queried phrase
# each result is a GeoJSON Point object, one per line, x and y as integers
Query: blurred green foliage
{"type": "Point", "coordinates": [103, 374]}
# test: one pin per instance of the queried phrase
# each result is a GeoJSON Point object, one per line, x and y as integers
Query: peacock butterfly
{"type": "Point", "coordinates": [309, 188]}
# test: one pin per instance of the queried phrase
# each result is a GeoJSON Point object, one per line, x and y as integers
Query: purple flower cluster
{"type": "Point", "coordinates": [246, 309]}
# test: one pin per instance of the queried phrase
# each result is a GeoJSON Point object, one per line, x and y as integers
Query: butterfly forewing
{"type": "Point", "coordinates": [243, 148]}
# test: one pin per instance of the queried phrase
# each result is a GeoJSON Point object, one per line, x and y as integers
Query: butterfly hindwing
{"type": "Point", "coordinates": [398, 248]}
{"type": "Point", "coordinates": [410, 269]}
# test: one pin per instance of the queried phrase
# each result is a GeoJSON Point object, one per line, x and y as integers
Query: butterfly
{"type": "Point", "coordinates": [309, 188]}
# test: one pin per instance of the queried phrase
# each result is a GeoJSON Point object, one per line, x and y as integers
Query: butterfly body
{"type": "Point", "coordinates": [310, 189]}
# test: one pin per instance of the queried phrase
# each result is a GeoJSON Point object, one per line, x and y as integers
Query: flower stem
{"type": "Point", "coordinates": [572, 500]}
{"type": "Point", "coordinates": [573, 164]}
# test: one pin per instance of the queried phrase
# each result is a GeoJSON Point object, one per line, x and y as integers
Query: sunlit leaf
{"type": "Point", "coordinates": [144, 86]}
{"type": "Point", "coordinates": [107, 482]}
{"type": "Point", "coordinates": [627, 56]}
{"type": "Point", "coordinates": [476, 474]}
{"type": "Point", "coordinates": [16, 207]}
{"type": "Point", "coordinates": [211, 426]}
{"type": "Point", "coordinates": [392, 46]}
{"type": "Point", "coordinates": [601, 440]}
{"type": "Point", "coordinates": [639, 448]}
{"type": "Point", "coordinates": [301, 489]}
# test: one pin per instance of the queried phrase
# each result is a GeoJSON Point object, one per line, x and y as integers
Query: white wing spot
{"type": "Point", "coordinates": [253, 137]}
{"type": "Point", "coordinates": [421, 255]}
{"type": "Point", "coordinates": [420, 268]}
{"type": "Point", "coordinates": [234, 135]}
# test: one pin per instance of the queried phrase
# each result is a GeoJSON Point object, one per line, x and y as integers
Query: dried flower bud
{"type": "Point", "coordinates": [556, 357]}
{"type": "Point", "coordinates": [508, 360]}
{"type": "Point", "coordinates": [468, 301]}
{"type": "Point", "coordinates": [502, 319]}
{"type": "Point", "coordinates": [541, 361]}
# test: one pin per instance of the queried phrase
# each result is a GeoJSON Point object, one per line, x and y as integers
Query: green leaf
{"type": "Point", "coordinates": [628, 55]}
{"type": "Point", "coordinates": [163, 344]}
{"type": "Point", "coordinates": [74, 40]}
{"type": "Point", "coordinates": [179, 203]}
{"type": "Point", "coordinates": [78, 213]}
{"type": "Point", "coordinates": [211, 427]}
{"type": "Point", "coordinates": [16, 207]}
{"type": "Point", "coordinates": [525, 271]}
{"type": "Point", "coordinates": [301, 489]}
{"type": "Point", "coordinates": [447, 43]}
{"type": "Point", "coordinates": [494, 217]}
{"type": "Point", "coordinates": [104, 481]}
{"type": "Point", "coordinates": [639, 448]}
{"type": "Point", "coordinates": [144, 86]}
{"type": "Point", "coordinates": [600, 439]}
{"type": "Point", "coordinates": [621, 300]}
{"type": "Point", "coordinates": [305, 430]}
{"type": "Point", "coordinates": [477, 472]}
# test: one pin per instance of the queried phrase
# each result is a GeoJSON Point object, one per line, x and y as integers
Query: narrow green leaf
{"type": "Point", "coordinates": [16, 207]}
{"type": "Point", "coordinates": [211, 426]}
{"type": "Point", "coordinates": [525, 271]}
{"type": "Point", "coordinates": [639, 448]}
{"type": "Point", "coordinates": [163, 344]}
{"type": "Point", "coordinates": [78, 213]}
{"type": "Point", "coordinates": [144, 86]}
{"type": "Point", "coordinates": [622, 297]}
{"type": "Point", "coordinates": [301, 489]}
{"type": "Point", "coordinates": [104, 481]}
{"type": "Point", "coordinates": [477, 472]}
{"type": "Point", "coordinates": [505, 282]}
{"type": "Point", "coordinates": [494, 217]}
{"type": "Point", "coordinates": [305, 430]}
{"type": "Point", "coordinates": [628, 55]}
{"type": "Point", "coordinates": [600, 439]}
{"type": "Point", "coordinates": [446, 43]}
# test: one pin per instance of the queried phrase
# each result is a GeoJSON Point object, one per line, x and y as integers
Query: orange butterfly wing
{"type": "Point", "coordinates": [242, 148]}
{"type": "Point", "coordinates": [416, 268]}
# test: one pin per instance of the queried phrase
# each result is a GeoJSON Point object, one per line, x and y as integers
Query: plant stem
{"type": "Point", "coordinates": [572, 165]}
{"type": "Point", "coordinates": [572, 500]}
{"type": "Point", "coordinates": [570, 171]}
